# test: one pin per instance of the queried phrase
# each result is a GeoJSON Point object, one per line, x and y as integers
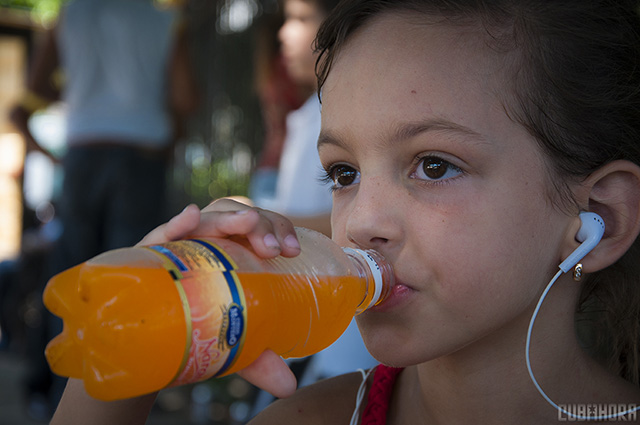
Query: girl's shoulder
{"type": "Point", "coordinates": [331, 401]}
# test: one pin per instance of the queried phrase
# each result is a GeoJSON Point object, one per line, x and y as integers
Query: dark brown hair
{"type": "Point", "coordinates": [324, 5]}
{"type": "Point", "coordinates": [576, 89]}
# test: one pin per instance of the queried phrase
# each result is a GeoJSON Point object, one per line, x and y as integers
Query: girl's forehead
{"type": "Point", "coordinates": [398, 68]}
{"type": "Point", "coordinates": [393, 44]}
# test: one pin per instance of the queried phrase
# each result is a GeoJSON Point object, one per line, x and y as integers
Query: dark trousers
{"type": "Point", "coordinates": [111, 197]}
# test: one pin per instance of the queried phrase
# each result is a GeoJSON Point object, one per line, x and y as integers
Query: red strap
{"type": "Point", "coordinates": [384, 378]}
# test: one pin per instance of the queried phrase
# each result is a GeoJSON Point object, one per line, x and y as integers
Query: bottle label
{"type": "Point", "coordinates": [214, 306]}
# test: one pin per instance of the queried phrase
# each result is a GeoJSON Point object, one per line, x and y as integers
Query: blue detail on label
{"type": "Point", "coordinates": [171, 256]}
{"type": "Point", "coordinates": [236, 325]}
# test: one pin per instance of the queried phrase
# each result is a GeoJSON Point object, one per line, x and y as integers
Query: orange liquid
{"type": "Point", "coordinates": [126, 331]}
{"type": "Point", "coordinates": [294, 315]}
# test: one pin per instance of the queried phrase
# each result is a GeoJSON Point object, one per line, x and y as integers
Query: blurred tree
{"type": "Point", "coordinates": [43, 12]}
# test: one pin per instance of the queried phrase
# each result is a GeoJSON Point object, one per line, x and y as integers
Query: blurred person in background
{"type": "Point", "coordinates": [278, 95]}
{"type": "Point", "coordinates": [300, 193]}
{"type": "Point", "coordinates": [128, 86]}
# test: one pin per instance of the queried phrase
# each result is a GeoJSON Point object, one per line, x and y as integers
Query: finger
{"type": "Point", "coordinates": [221, 224]}
{"type": "Point", "coordinates": [269, 233]}
{"type": "Point", "coordinates": [272, 235]}
{"type": "Point", "coordinates": [248, 223]}
{"type": "Point", "coordinates": [184, 223]}
{"type": "Point", "coordinates": [284, 232]}
{"type": "Point", "coordinates": [227, 204]}
{"type": "Point", "coordinates": [272, 374]}
{"type": "Point", "coordinates": [178, 227]}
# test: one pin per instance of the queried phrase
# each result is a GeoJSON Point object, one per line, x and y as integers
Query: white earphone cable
{"type": "Point", "coordinates": [535, 382]}
{"type": "Point", "coordinates": [355, 418]}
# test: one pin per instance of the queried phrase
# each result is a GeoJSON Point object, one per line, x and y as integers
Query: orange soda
{"type": "Point", "coordinates": [137, 320]}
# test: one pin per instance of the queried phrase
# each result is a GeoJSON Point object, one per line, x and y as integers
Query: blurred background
{"type": "Point", "coordinates": [230, 45]}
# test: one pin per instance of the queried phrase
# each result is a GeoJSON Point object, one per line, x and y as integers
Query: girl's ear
{"type": "Point", "coordinates": [614, 194]}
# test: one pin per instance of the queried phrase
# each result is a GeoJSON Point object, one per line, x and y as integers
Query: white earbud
{"type": "Point", "coordinates": [590, 233]}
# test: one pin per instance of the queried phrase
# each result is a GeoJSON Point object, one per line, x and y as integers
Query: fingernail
{"type": "Point", "coordinates": [243, 212]}
{"type": "Point", "coordinates": [271, 242]}
{"type": "Point", "coordinates": [291, 242]}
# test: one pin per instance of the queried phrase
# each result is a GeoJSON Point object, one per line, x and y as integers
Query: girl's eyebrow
{"type": "Point", "coordinates": [328, 137]}
{"type": "Point", "coordinates": [408, 130]}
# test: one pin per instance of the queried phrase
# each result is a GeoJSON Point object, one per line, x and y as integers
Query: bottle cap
{"type": "Point", "coordinates": [375, 271]}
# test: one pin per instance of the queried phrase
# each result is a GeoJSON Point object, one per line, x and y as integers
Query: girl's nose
{"type": "Point", "coordinates": [373, 221]}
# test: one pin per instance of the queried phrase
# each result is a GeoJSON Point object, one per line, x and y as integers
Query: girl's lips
{"type": "Point", "coordinates": [400, 294]}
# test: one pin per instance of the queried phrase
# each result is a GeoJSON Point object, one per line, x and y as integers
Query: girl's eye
{"type": "Point", "coordinates": [342, 176]}
{"type": "Point", "coordinates": [435, 168]}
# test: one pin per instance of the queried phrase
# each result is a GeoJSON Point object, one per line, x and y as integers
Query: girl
{"type": "Point", "coordinates": [462, 139]}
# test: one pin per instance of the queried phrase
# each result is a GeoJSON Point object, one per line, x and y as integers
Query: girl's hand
{"type": "Point", "coordinates": [269, 235]}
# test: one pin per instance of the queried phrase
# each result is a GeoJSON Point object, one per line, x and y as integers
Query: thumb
{"type": "Point", "coordinates": [272, 374]}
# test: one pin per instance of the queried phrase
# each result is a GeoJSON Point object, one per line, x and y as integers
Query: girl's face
{"type": "Point", "coordinates": [429, 170]}
{"type": "Point", "coordinates": [302, 21]}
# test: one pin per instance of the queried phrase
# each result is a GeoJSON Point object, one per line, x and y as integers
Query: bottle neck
{"type": "Point", "coordinates": [377, 273]}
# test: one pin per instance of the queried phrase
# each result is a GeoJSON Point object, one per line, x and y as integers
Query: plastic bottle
{"type": "Point", "coordinates": [140, 319]}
